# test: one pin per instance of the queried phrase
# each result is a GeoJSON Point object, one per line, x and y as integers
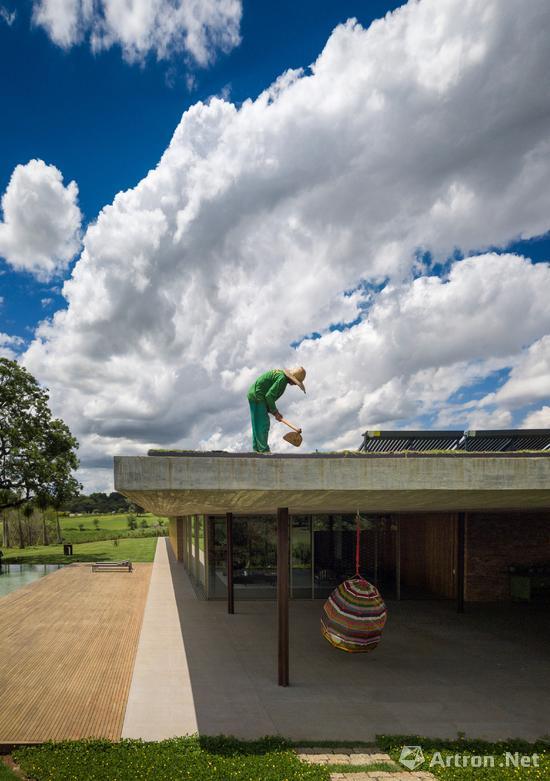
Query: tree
{"type": "Point", "coordinates": [28, 511]}
{"type": "Point", "coordinates": [37, 451]}
{"type": "Point", "coordinates": [43, 502]}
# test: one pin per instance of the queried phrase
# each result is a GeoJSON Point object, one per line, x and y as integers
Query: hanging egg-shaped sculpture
{"type": "Point", "coordinates": [354, 616]}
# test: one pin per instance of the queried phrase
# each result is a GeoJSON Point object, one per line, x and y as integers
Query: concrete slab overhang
{"type": "Point", "coordinates": [189, 482]}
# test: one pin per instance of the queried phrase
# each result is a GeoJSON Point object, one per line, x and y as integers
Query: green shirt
{"type": "Point", "coordinates": [268, 388]}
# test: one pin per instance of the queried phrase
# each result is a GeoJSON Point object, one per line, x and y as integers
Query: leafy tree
{"type": "Point", "coordinates": [37, 451]}
{"type": "Point", "coordinates": [28, 512]}
{"type": "Point", "coordinates": [43, 502]}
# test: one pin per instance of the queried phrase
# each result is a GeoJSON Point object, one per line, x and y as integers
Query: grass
{"type": "Point", "coordinates": [6, 774]}
{"type": "Point", "coordinates": [468, 748]}
{"type": "Point", "coordinates": [189, 758]}
{"type": "Point", "coordinates": [374, 767]}
{"type": "Point", "coordinates": [133, 548]}
{"type": "Point", "coordinates": [109, 526]}
{"type": "Point", "coordinates": [270, 759]}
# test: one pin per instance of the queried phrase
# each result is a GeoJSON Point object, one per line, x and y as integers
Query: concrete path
{"type": "Point", "coordinates": [160, 703]}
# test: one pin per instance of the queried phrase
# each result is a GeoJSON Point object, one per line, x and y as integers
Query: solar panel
{"type": "Point", "coordinates": [503, 440]}
{"type": "Point", "coordinates": [482, 441]}
{"type": "Point", "coordinates": [400, 441]}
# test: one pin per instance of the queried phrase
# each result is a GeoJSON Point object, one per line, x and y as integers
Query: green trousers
{"type": "Point", "coordinates": [260, 426]}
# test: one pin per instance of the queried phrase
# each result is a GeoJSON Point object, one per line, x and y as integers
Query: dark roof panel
{"type": "Point", "coordinates": [486, 441]}
{"type": "Point", "coordinates": [399, 441]}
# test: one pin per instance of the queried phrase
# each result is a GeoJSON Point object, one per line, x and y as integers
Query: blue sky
{"type": "Point", "coordinates": [105, 123]}
{"type": "Point", "coordinates": [359, 221]}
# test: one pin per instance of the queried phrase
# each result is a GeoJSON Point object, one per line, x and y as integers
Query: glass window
{"type": "Point", "coordinates": [300, 552]}
{"type": "Point", "coordinates": [255, 557]}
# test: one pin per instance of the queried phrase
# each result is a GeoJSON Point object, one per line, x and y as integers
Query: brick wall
{"type": "Point", "coordinates": [496, 540]}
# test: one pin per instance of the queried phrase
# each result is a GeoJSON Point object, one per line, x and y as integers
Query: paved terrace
{"type": "Point", "coordinates": [67, 648]}
{"type": "Point", "coordinates": [188, 482]}
{"type": "Point", "coordinates": [435, 673]}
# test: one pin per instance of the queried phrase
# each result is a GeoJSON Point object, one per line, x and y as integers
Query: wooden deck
{"type": "Point", "coordinates": [67, 648]}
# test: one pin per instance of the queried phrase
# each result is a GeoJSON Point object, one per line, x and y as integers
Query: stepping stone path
{"type": "Point", "coordinates": [361, 757]}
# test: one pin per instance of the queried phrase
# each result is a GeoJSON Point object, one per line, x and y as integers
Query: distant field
{"type": "Point", "coordinates": [109, 526]}
{"type": "Point", "coordinates": [135, 549]}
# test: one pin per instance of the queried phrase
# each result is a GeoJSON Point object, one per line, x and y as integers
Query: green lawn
{"type": "Point", "coordinates": [109, 526]}
{"type": "Point", "coordinates": [191, 759]}
{"type": "Point", "coordinates": [496, 759]}
{"type": "Point", "coordinates": [6, 774]}
{"type": "Point", "coordinates": [133, 548]}
{"type": "Point", "coordinates": [106, 522]}
{"type": "Point", "coordinates": [270, 759]}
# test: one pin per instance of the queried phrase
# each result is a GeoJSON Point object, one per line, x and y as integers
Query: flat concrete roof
{"type": "Point", "coordinates": [187, 482]}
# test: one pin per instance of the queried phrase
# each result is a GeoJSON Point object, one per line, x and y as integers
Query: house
{"type": "Point", "coordinates": [446, 515]}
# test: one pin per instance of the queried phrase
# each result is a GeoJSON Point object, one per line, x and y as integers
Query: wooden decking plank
{"type": "Point", "coordinates": [67, 650]}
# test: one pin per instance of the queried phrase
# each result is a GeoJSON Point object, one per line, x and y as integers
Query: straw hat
{"type": "Point", "coordinates": [297, 376]}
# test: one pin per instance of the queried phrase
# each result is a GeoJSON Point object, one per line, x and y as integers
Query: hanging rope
{"type": "Point", "coordinates": [357, 545]}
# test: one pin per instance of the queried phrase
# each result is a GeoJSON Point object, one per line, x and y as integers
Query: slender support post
{"type": "Point", "coordinates": [398, 558]}
{"type": "Point", "coordinates": [197, 549]}
{"type": "Point", "coordinates": [229, 567]}
{"type": "Point", "coordinates": [282, 592]}
{"type": "Point", "coordinates": [460, 549]}
{"type": "Point", "coordinates": [312, 549]}
{"type": "Point", "coordinates": [376, 552]}
{"type": "Point", "coordinates": [184, 540]}
{"type": "Point", "coordinates": [208, 554]}
{"type": "Point", "coordinates": [179, 538]}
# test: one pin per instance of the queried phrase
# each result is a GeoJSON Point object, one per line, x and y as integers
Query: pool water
{"type": "Point", "coordinates": [13, 576]}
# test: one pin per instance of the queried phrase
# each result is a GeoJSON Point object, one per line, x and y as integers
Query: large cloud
{"type": "Point", "coordinates": [427, 132]}
{"type": "Point", "coordinates": [164, 27]}
{"type": "Point", "coordinates": [40, 232]}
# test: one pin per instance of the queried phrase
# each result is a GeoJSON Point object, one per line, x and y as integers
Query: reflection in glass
{"type": "Point", "coordinates": [300, 551]}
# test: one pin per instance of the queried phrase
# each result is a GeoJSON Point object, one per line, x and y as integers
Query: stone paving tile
{"type": "Point", "coordinates": [370, 758]}
{"type": "Point", "coordinates": [379, 775]}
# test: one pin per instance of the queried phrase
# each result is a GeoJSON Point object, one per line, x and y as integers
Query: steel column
{"type": "Point", "coordinates": [398, 558]}
{"type": "Point", "coordinates": [282, 592]}
{"type": "Point", "coordinates": [460, 551]}
{"type": "Point", "coordinates": [179, 538]}
{"type": "Point", "coordinates": [229, 560]}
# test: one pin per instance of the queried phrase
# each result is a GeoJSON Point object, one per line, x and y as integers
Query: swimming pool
{"type": "Point", "coordinates": [13, 576]}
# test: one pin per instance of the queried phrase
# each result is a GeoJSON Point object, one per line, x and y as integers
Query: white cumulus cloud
{"type": "Point", "coordinates": [198, 28]}
{"type": "Point", "coordinates": [9, 346]}
{"type": "Point", "coordinates": [309, 208]}
{"type": "Point", "coordinates": [40, 231]}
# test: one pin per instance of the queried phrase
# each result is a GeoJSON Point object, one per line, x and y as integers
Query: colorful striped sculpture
{"type": "Point", "coordinates": [354, 616]}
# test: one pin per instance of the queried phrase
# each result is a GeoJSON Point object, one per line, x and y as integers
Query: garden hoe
{"type": "Point", "coordinates": [294, 436]}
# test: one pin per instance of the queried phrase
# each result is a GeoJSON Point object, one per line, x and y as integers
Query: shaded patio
{"type": "Point", "coordinates": [485, 673]}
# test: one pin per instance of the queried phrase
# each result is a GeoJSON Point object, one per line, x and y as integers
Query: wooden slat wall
{"type": "Point", "coordinates": [67, 648]}
{"type": "Point", "coordinates": [428, 553]}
